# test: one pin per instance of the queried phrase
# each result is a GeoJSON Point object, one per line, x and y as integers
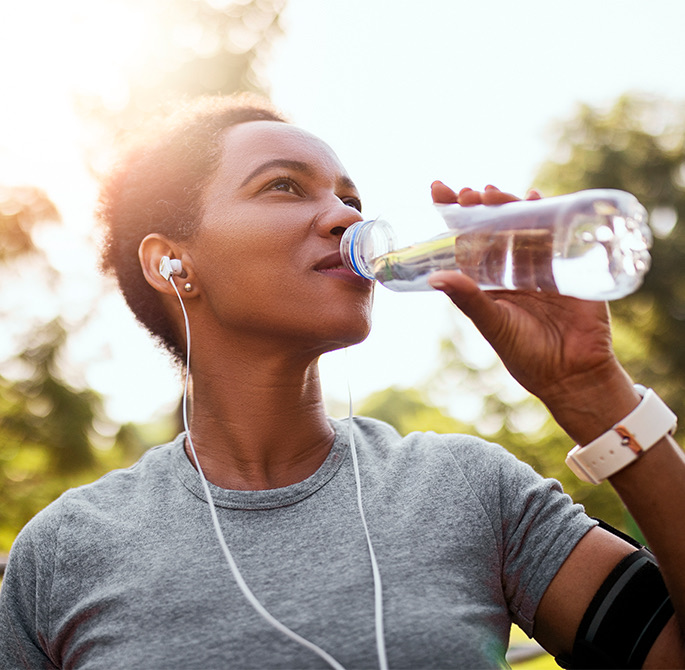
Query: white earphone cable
{"type": "Point", "coordinates": [377, 584]}
{"type": "Point", "coordinates": [252, 599]}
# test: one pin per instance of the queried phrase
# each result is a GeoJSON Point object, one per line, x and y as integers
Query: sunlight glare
{"type": "Point", "coordinates": [74, 45]}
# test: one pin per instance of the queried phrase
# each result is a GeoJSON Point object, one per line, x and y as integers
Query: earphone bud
{"type": "Point", "coordinates": [169, 266]}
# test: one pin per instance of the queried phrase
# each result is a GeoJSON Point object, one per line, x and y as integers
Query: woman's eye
{"type": "Point", "coordinates": [285, 185]}
{"type": "Point", "coordinates": [353, 202]}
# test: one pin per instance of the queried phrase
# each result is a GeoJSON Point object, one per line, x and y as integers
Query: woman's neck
{"type": "Point", "coordinates": [259, 425]}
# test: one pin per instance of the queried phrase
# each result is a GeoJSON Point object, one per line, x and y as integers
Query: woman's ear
{"type": "Point", "coordinates": [162, 262]}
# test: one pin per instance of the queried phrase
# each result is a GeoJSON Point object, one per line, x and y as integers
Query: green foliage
{"type": "Point", "coordinates": [22, 208]}
{"type": "Point", "coordinates": [51, 434]}
{"type": "Point", "coordinates": [407, 410]}
{"type": "Point", "coordinates": [38, 404]}
{"type": "Point", "coordinates": [535, 659]}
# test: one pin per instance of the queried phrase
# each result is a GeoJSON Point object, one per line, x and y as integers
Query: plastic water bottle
{"type": "Point", "coordinates": [592, 245]}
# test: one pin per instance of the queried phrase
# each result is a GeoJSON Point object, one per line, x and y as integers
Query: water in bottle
{"type": "Point", "coordinates": [592, 245]}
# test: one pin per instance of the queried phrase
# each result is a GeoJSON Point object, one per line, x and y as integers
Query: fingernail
{"type": "Point", "coordinates": [437, 284]}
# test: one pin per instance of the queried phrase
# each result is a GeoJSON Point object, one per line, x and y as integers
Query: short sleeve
{"type": "Point", "coordinates": [25, 594]}
{"type": "Point", "coordinates": [536, 524]}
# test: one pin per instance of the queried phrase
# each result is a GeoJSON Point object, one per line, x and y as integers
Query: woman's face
{"type": "Point", "coordinates": [267, 249]}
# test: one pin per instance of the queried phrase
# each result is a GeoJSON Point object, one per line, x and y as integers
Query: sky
{"type": "Point", "coordinates": [405, 92]}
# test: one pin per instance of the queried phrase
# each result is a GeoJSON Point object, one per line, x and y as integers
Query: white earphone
{"type": "Point", "coordinates": [169, 266]}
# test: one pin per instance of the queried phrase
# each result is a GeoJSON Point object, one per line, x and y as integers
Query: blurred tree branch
{"type": "Point", "coordinates": [22, 208]}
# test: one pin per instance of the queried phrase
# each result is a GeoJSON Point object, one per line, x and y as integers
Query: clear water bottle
{"type": "Point", "coordinates": [592, 245]}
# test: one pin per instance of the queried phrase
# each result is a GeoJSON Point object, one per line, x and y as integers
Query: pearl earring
{"type": "Point", "coordinates": [187, 287]}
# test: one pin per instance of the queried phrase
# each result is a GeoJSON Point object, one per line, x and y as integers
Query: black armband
{"type": "Point", "coordinates": [625, 617]}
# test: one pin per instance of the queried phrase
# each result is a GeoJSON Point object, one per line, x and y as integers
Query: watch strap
{"type": "Point", "coordinates": [625, 442]}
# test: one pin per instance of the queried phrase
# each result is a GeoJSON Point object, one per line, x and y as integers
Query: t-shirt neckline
{"type": "Point", "coordinates": [267, 498]}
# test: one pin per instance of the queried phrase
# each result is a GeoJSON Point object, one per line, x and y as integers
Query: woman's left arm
{"type": "Point", "coordinates": [560, 350]}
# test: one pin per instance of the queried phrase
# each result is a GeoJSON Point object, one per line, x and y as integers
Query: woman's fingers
{"type": "Point", "coordinates": [468, 197]}
{"type": "Point", "coordinates": [491, 195]}
{"type": "Point", "coordinates": [443, 194]}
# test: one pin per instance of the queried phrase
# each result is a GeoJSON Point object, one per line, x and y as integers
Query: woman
{"type": "Point", "coordinates": [128, 572]}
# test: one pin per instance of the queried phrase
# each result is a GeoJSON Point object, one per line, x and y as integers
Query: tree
{"type": "Point", "coordinates": [22, 208]}
{"type": "Point", "coordinates": [47, 427]}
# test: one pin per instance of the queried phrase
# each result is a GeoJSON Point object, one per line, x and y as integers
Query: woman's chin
{"type": "Point", "coordinates": [343, 340]}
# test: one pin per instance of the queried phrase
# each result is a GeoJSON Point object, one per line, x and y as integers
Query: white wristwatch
{"type": "Point", "coordinates": [625, 442]}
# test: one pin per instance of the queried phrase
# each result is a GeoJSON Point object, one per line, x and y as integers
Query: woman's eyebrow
{"type": "Point", "coordinates": [298, 166]}
{"type": "Point", "coordinates": [346, 183]}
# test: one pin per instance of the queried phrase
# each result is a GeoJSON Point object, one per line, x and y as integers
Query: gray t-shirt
{"type": "Point", "coordinates": [127, 573]}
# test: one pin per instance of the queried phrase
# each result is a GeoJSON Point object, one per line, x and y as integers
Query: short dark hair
{"type": "Point", "coordinates": [157, 186]}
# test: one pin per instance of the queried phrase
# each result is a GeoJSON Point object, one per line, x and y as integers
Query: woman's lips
{"type": "Point", "coordinates": [332, 266]}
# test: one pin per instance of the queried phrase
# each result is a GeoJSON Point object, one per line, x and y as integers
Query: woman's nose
{"type": "Point", "coordinates": [337, 219]}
